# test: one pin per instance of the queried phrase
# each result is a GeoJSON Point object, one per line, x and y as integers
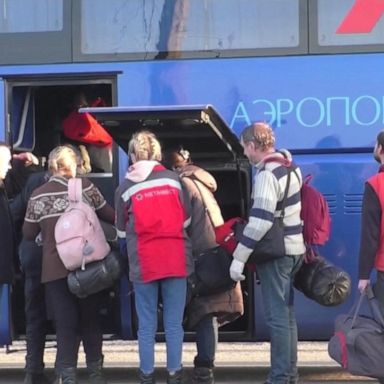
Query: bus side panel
{"type": "Point", "coordinates": [3, 122]}
{"type": "Point", "coordinates": [5, 315]}
{"type": "Point", "coordinates": [341, 179]}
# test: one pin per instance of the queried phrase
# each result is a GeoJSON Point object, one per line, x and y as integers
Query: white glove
{"type": "Point", "coordinates": [236, 270]}
{"type": "Point", "coordinates": [363, 284]}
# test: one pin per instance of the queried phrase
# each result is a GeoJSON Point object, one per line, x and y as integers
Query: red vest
{"type": "Point", "coordinates": [377, 183]}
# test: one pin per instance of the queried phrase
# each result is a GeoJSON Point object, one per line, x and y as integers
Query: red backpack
{"type": "Point", "coordinates": [315, 214]}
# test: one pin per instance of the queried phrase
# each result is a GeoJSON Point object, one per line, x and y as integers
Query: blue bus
{"type": "Point", "coordinates": [311, 68]}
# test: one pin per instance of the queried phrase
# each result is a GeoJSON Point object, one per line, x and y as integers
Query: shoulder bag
{"type": "Point", "coordinates": [272, 246]}
{"type": "Point", "coordinates": [211, 273]}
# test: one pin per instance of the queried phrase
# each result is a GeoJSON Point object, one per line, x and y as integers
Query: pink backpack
{"type": "Point", "coordinates": [79, 236]}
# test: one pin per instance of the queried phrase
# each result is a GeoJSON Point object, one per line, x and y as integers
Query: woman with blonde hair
{"type": "Point", "coordinates": [152, 217]}
{"type": "Point", "coordinates": [75, 319]}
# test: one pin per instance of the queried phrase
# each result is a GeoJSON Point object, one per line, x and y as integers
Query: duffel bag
{"type": "Point", "coordinates": [357, 344]}
{"type": "Point", "coordinates": [96, 276]}
{"type": "Point", "coordinates": [323, 282]}
{"type": "Point", "coordinates": [211, 273]}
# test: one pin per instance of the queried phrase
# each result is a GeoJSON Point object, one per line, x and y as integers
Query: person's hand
{"type": "Point", "coordinates": [27, 158]}
{"type": "Point", "coordinates": [236, 270]}
{"type": "Point", "coordinates": [363, 283]}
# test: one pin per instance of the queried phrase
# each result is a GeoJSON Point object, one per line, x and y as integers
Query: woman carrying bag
{"type": "Point", "coordinates": [205, 314]}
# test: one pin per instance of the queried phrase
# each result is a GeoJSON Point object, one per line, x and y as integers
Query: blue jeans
{"type": "Point", "coordinates": [206, 341]}
{"type": "Point", "coordinates": [276, 278]}
{"type": "Point", "coordinates": [173, 293]}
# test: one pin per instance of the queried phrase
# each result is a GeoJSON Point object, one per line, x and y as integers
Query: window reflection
{"type": "Point", "coordinates": [31, 16]}
{"type": "Point", "coordinates": [164, 26]}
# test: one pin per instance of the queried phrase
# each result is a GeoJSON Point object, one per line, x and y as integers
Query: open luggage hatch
{"type": "Point", "coordinates": [200, 129]}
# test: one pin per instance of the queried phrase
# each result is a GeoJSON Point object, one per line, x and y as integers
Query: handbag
{"type": "Point", "coordinates": [211, 273]}
{"type": "Point", "coordinates": [323, 282]}
{"type": "Point", "coordinates": [96, 276]}
{"type": "Point", "coordinates": [357, 343]}
{"type": "Point", "coordinates": [272, 246]}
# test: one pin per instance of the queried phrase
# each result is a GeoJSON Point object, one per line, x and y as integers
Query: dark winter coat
{"type": "Point", "coordinates": [7, 239]}
{"type": "Point", "coordinates": [227, 306]}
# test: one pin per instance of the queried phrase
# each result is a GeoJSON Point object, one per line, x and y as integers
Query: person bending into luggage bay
{"type": "Point", "coordinates": [74, 319]}
{"type": "Point", "coordinates": [276, 276]}
{"type": "Point", "coordinates": [205, 314]}
{"type": "Point", "coordinates": [152, 216]}
{"type": "Point", "coordinates": [371, 254]}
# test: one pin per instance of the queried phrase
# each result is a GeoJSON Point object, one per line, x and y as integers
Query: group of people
{"type": "Point", "coordinates": [161, 221]}
{"type": "Point", "coordinates": [165, 213]}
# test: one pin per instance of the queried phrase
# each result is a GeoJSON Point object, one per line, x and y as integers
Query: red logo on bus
{"type": "Point", "coordinates": [362, 17]}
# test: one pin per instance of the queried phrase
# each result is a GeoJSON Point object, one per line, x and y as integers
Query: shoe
{"type": "Point", "coordinates": [202, 375]}
{"type": "Point", "coordinates": [68, 376]}
{"type": "Point", "coordinates": [36, 378]}
{"type": "Point", "coordinates": [147, 379]}
{"type": "Point", "coordinates": [95, 372]}
{"type": "Point", "coordinates": [176, 378]}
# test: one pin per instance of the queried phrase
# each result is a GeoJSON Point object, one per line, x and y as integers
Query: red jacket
{"type": "Point", "coordinates": [377, 183]}
{"type": "Point", "coordinates": [152, 216]}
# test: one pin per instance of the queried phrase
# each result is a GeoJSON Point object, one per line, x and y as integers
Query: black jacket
{"type": "Point", "coordinates": [7, 239]}
{"type": "Point", "coordinates": [370, 230]}
{"type": "Point", "coordinates": [19, 204]}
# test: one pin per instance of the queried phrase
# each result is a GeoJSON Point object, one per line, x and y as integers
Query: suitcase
{"type": "Point", "coordinates": [358, 341]}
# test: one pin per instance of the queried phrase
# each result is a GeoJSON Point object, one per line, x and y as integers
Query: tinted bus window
{"type": "Point", "coordinates": [35, 32]}
{"type": "Point", "coordinates": [138, 27]}
{"type": "Point", "coordinates": [348, 26]}
{"type": "Point", "coordinates": [31, 16]}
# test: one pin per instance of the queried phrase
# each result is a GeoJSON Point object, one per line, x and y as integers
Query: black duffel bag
{"type": "Point", "coordinates": [96, 276]}
{"type": "Point", "coordinates": [211, 273]}
{"type": "Point", "coordinates": [323, 282]}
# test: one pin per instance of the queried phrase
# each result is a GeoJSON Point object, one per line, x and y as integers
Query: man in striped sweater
{"type": "Point", "coordinates": [276, 276]}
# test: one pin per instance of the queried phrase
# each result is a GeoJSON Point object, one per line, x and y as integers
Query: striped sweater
{"type": "Point", "coordinates": [268, 190]}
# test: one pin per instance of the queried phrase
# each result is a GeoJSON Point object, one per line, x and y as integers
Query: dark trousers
{"type": "Point", "coordinates": [206, 341]}
{"type": "Point", "coordinates": [378, 289]}
{"type": "Point", "coordinates": [35, 308]}
{"type": "Point", "coordinates": [75, 320]}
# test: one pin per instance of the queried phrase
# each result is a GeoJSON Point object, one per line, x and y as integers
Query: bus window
{"type": "Point", "coordinates": [31, 16]}
{"type": "Point", "coordinates": [35, 31]}
{"type": "Point", "coordinates": [334, 28]}
{"type": "Point", "coordinates": [169, 29]}
{"type": "Point", "coordinates": [346, 26]}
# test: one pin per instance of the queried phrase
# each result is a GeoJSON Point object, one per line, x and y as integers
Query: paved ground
{"type": "Point", "coordinates": [236, 363]}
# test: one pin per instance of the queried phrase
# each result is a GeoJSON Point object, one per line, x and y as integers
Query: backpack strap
{"type": "Point", "coordinates": [75, 190]}
{"type": "Point", "coordinates": [283, 162]}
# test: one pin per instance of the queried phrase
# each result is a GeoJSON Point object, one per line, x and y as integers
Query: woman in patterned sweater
{"type": "Point", "coordinates": [75, 319]}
